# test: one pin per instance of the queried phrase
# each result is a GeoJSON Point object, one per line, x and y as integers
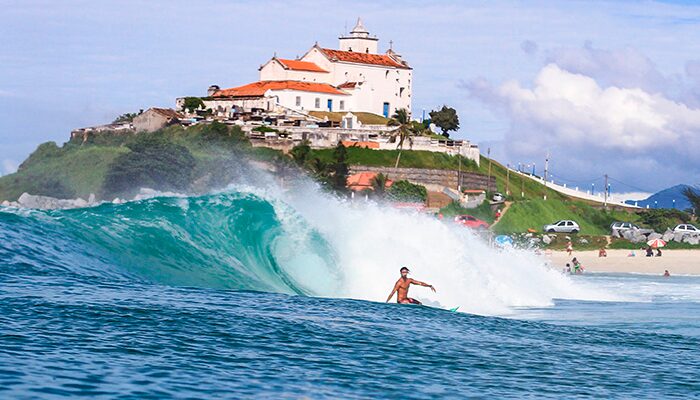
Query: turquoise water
{"type": "Point", "coordinates": [235, 296]}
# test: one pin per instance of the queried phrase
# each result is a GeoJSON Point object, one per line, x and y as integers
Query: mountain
{"type": "Point", "coordinates": [665, 198]}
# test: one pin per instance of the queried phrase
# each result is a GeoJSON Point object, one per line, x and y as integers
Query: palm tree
{"type": "Point", "coordinates": [693, 197]}
{"type": "Point", "coordinates": [379, 183]}
{"type": "Point", "coordinates": [404, 132]}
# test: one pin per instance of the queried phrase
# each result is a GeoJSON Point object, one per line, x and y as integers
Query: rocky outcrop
{"type": "Point", "coordinates": [27, 200]}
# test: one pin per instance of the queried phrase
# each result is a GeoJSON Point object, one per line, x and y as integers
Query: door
{"type": "Point", "coordinates": [385, 111]}
{"type": "Point", "coordinates": [330, 104]}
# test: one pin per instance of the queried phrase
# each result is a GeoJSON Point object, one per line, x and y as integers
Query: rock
{"type": "Point", "coordinates": [528, 235]}
{"type": "Point", "coordinates": [678, 237]}
{"type": "Point", "coordinates": [546, 239]}
{"type": "Point", "coordinates": [694, 240]}
{"type": "Point", "coordinates": [667, 236]}
{"type": "Point", "coordinates": [91, 198]}
{"type": "Point", "coordinates": [6, 203]}
{"type": "Point", "coordinates": [583, 241]}
{"type": "Point", "coordinates": [654, 235]}
{"type": "Point", "coordinates": [629, 234]}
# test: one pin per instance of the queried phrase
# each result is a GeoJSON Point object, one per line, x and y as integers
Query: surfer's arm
{"type": "Point", "coordinates": [415, 282]}
{"type": "Point", "coordinates": [396, 286]}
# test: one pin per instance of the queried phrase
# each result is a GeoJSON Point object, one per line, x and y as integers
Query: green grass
{"type": "Point", "coordinates": [523, 215]}
{"type": "Point", "coordinates": [364, 117]}
{"type": "Point", "coordinates": [387, 158]}
{"type": "Point", "coordinates": [482, 212]}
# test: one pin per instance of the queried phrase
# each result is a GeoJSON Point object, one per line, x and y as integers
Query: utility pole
{"type": "Point", "coordinates": [546, 167]}
{"type": "Point", "coordinates": [507, 179]}
{"type": "Point", "coordinates": [488, 184]}
{"type": "Point", "coordinates": [459, 175]}
{"type": "Point", "coordinates": [605, 202]}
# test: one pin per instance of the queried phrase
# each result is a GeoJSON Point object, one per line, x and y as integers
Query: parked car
{"type": "Point", "coordinates": [471, 222]}
{"type": "Point", "coordinates": [622, 226]}
{"type": "Point", "coordinates": [686, 228]}
{"type": "Point", "coordinates": [498, 197]}
{"type": "Point", "coordinates": [563, 226]}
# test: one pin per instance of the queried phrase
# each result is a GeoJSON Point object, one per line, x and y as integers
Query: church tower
{"type": "Point", "coordinates": [359, 40]}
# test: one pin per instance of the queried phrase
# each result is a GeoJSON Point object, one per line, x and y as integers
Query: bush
{"type": "Point", "coordinates": [407, 191]}
{"type": "Point", "coordinates": [264, 129]}
{"type": "Point", "coordinates": [43, 152]}
{"type": "Point", "coordinates": [153, 162]}
{"type": "Point", "coordinates": [661, 219]}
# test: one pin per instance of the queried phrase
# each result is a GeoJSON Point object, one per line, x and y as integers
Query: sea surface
{"type": "Point", "coordinates": [246, 294]}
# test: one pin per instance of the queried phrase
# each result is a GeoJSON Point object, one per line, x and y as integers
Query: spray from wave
{"type": "Point", "coordinates": [290, 241]}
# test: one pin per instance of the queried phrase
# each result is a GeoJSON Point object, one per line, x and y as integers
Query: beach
{"type": "Point", "coordinates": [686, 262]}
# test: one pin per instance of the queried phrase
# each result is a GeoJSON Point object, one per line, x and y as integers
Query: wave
{"type": "Point", "coordinates": [295, 241]}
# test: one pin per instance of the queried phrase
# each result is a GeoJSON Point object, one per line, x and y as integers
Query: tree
{"type": "Point", "coordinates": [153, 162]}
{"type": "Point", "coordinates": [446, 119]}
{"type": "Point", "coordinates": [339, 177]}
{"type": "Point", "coordinates": [379, 183]}
{"type": "Point", "coordinates": [407, 191]}
{"type": "Point", "coordinates": [404, 132]}
{"type": "Point", "coordinates": [127, 117]}
{"type": "Point", "coordinates": [300, 153]}
{"type": "Point", "coordinates": [693, 197]}
{"type": "Point", "coordinates": [193, 103]}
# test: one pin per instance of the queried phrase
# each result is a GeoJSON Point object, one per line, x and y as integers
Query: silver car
{"type": "Point", "coordinates": [686, 228]}
{"type": "Point", "coordinates": [622, 226]}
{"type": "Point", "coordinates": [563, 226]}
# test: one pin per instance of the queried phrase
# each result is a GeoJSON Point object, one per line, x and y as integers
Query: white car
{"type": "Point", "coordinates": [498, 197]}
{"type": "Point", "coordinates": [563, 226]}
{"type": "Point", "coordinates": [686, 228]}
{"type": "Point", "coordinates": [622, 226]}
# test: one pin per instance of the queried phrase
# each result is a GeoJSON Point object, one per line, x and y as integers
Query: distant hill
{"type": "Point", "coordinates": [664, 198]}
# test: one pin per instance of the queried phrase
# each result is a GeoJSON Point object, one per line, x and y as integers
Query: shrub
{"type": "Point", "coordinates": [407, 191]}
{"type": "Point", "coordinates": [153, 162]}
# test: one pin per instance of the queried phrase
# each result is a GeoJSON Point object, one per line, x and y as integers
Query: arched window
{"type": "Point", "coordinates": [386, 75]}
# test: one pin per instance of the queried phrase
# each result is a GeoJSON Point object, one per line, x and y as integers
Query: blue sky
{"type": "Point", "coordinates": [631, 71]}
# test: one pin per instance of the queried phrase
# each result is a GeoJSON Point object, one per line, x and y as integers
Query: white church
{"type": "Point", "coordinates": [354, 78]}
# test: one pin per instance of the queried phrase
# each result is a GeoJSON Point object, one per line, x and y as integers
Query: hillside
{"type": "Point", "coordinates": [78, 169]}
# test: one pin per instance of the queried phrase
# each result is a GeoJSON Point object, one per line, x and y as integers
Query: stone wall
{"type": "Point", "coordinates": [442, 177]}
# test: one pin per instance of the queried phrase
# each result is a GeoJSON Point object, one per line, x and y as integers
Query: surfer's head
{"type": "Point", "coordinates": [404, 271]}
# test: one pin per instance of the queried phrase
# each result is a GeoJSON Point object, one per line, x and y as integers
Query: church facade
{"type": "Point", "coordinates": [354, 77]}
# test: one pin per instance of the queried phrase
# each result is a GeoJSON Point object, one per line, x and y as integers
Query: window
{"type": "Point", "coordinates": [317, 103]}
{"type": "Point", "coordinates": [298, 101]}
{"type": "Point", "coordinates": [401, 92]}
{"type": "Point", "coordinates": [386, 75]}
{"type": "Point", "coordinates": [341, 104]}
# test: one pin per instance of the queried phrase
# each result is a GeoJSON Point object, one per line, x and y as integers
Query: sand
{"type": "Point", "coordinates": [686, 262]}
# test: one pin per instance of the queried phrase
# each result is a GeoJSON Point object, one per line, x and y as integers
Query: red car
{"type": "Point", "coordinates": [471, 222]}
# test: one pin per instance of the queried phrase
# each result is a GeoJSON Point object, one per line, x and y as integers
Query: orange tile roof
{"type": "Point", "coordinates": [348, 85]}
{"type": "Point", "coordinates": [362, 58]}
{"type": "Point", "coordinates": [297, 65]}
{"type": "Point", "coordinates": [257, 89]}
{"type": "Point", "coordinates": [363, 180]}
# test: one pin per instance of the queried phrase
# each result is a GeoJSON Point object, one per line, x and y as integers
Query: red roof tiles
{"type": "Point", "coordinates": [362, 58]}
{"type": "Point", "coordinates": [363, 181]}
{"type": "Point", "coordinates": [297, 65]}
{"type": "Point", "coordinates": [257, 89]}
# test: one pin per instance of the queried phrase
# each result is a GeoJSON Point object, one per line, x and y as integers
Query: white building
{"type": "Point", "coordinates": [353, 78]}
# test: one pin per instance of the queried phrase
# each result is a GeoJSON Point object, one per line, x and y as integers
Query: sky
{"type": "Point", "coordinates": [601, 87]}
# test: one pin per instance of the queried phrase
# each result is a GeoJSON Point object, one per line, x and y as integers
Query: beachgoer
{"type": "Point", "coordinates": [650, 252]}
{"type": "Point", "coordinates": [658, 252]}
{"type": "Point", "coordinates": [498, 214]}
{"type": "Point", "coordinates": [567, 270]}
{"type": "Point", "coordinates": [578, 268]}
{"type": "Point", "coordinates": [666, 273]}
{"type": "Point", "coordinates": [602, 252]}
{"type": "Point", "coordinates": [569, 247]}
{"type": "Point", "coordinates": [401, 288]}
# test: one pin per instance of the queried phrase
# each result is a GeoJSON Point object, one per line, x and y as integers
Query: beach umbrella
{"type": "Point", "coordinates": [503, 240]}
{"type": "Point", "coordinates": [656, 243]}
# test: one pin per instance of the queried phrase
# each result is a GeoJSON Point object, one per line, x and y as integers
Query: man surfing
{"type": "Point", "coordinates": [401, 288]}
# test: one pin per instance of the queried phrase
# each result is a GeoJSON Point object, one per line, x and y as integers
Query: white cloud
{"type": "Point", "coordinates": [590, 127]}
{"type": "Point", "coordinates": [9, 166]}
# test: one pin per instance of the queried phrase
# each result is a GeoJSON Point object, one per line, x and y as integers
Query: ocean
{"type": "Point", "coordinates": [251, 293]}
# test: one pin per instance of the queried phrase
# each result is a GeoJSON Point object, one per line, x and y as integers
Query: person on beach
{"type": "Point", "coordinates": [578, 268]}
{"type": "Point", "coordinates": [602, 252]}
{"type": "Point", "coordinates": [567, 270]}
{"type": "Point", "coordinates": [569, 247]}
{"type": "Point", "coordinates": [658, 252]}
{"type": "Point", "coordinates": [401, 288]}
{"type": "Point", "coordinates": [666, 273]}
{"type": "Point", "coordinates": [650, 252]}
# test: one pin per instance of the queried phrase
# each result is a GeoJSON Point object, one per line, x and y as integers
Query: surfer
{"type": "Point", "coordinates": [401, 288]}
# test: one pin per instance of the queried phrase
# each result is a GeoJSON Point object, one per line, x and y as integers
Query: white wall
{"type": "Point", "coordinates": [274, 71]}
{"type": "Point", "coordinates": [381, 84]}
{"type": "Point", "coordinates": [308, 100]}
{"type": "Point", "coordinates": [359, 45]}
